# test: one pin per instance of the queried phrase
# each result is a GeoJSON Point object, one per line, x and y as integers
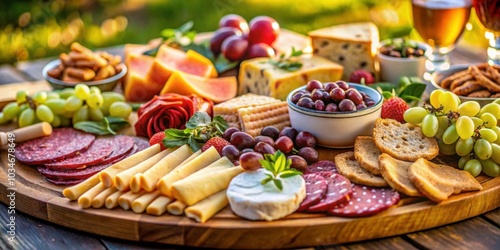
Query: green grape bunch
{"type": "Point", "coordinates": [464, 129]}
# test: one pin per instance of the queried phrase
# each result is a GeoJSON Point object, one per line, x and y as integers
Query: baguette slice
{"type": "Point", "coordinates": [350, 168]}
{"type": "Point", "coordinates": [437, 182]}
{"type": "Point", "coordinates": [367, 153]}
{"type": "Point", "coordinates": [403, 141]}
{"type": "Point", "coordinates": [395, 172]}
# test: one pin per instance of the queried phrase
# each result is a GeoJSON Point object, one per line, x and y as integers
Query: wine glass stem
{"type": "Point", "coordinates": [437, 61]}
{"type": "Point", "coordinates": [494, 50]}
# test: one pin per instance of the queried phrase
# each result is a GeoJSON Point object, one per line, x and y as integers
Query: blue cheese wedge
{"type": "Point", "coordinates": [251, 200]}
{"type": "Point", "coordinates": [261, 77]}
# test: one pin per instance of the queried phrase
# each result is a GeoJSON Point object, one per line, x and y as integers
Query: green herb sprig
{"type": "Point", "coordinates": [199, 129]}
{"type": "Point", "coordinates": [279, 167]}
{"type": "Point", "coordinates": [289, 63]}
{"type": "Point", "coordinates": [182, 36]}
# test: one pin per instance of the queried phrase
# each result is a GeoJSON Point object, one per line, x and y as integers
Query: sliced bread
{"type": "Point", "coordinates": [395, 173]}
{"type": "Point", "coordinates": [367, 153]}
{"type": "Point", "coordinates": [403, 141]}
{"type": "Point", "coordinates": [437, 182]}
{"type": "Point", "coordinates": [350, 168]}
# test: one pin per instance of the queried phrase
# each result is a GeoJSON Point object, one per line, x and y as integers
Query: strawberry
{"type": "Point", "coordinates": [218, 142]}
{"type": "Point", "coordinates": [394, 108]}
{"type": "Point", "coordinates": [157, 139]}
{"type": "Point", "coordinates": [358, 75]}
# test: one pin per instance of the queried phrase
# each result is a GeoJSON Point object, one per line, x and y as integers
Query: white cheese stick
{"type": "Point", "coordinates": [77, 190]}
{"type": "Point", "coordinates": [140, 204]}
{"type": "Point", "coordinates": [100, 199]}
{"type": "Point", "coordinates": [125, 200]}
{"type": "Point", "coordinates": [205, 209]}
{"type": "Point", "coordinates": [159, 205]}
{"type": "Point", "coordinates": [107, 176]}
{"type": "Point", "coordinates": [112, 200]}
{"type": "Point", "coordinates": [135, 183]}
{"type": "Point", "coordinates": [176, 208]}
{"type": "Point", "coordinates": [85, 199]}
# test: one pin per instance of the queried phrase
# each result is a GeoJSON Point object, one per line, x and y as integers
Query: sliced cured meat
{"type": "Point", "coordinates": [316, 187]}
{"type": "Point", "coordinates": [366, 201]}
{"type": "Point", "coordinates": [321, 166]}
{"type": "Point", "coordinates": [122, 144]}
{"type": "Point", "coordinates": [338, 191]}
{"type": "Point", "coordinates": [95, 154]}
{"type": "Point", "coordinates": [63, 182]}
{"type": "Point", "coordinates": [73, 174]}
{"type": "Point", "coordinates": [141, 142]}
{"type": "Point", "coordinates": [61, 144]}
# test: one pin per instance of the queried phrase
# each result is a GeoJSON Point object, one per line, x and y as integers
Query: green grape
{"type": "Point", "coordinates": [450, 135]}
{"type": "Point", "coordinates": [21, 96]}
{"type": "Point", "coordinates": [44, 113]}
{"type": "Point", "coordinates": [465, 127]}
{"type": "Point", "coordinates": [490, 167]}
{"type": "Point", "coordinates": [469, 108]}
{"type": "Point", "coordinates": [82, 91]}
{"type": "Point", "coordinates": [56, 122]}
{"type": "Point", "coordinates": [477, 122]}
{"type": "Point", "coordinates": [65, 121]}
{"type": "Point", "coordinates": [497, 101]}
{"type": "Point", "coordinates": [2, 119]}
{"type": "Point", "coordinates": [492, 108]}
{"type": "Point", "coordinates": [57, 106]}
{"type": "Point", "coordinates": [443, 125]}
{"type": "Point", "coordinates": [415, 115]}
{"type": "Point", "coordinates": [68, 114]}
{"type": "Point", "coordinates": [434, 98]}
{"type": "Point", "coordinates": [495, 152]}
{"type": "Point", "coordinates": [489, 120]}
{"type": "Point", "coordinates": [96, 114]}
{"type": "Point", "coordinates": [462, 161]}
{"type": "Point", "coordinates": [22, 107]}
{"type": "Point", "coordinates": [26, 118]}
{"type": "Point", "coordinates": [10, 111]}
{"type": "Point", "coordinates": [496, 129]}
{"type": "Point", "coordinates": [40, 97]}
{"type": "Point", "coordinates": [446, 149]}
{"type": "Point", "coordinates": [95, 89]}
{"type": "Point", "coordinates": [109, 98]}
{"type": "Point", "coordinates": [449, 101]}
{"type": "Point", "coordinates": [464, 146]}
{"type": "Point", "coordinates": [65, 93]}
{"type": "Point", "coordinates": [123, 110]}
{"type": "Point", "coordinates": [53, 95]}
{"type": "Point", "coordinates": [73, 103]}
{"type": "Point", "coordinates": [488, 134]}
{"type": "Point", "coordinates": [430, 125]}
{"type": "Point", "coordinates": [95, 100]}
{"type": "Point", "coordinates": [81, 115]}
{"type": "Point", "coordinates": [482, 149]}
{"type": "Point", "coordinates": [473, 167]}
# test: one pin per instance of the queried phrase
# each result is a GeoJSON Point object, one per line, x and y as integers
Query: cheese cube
{"type": "Point", "coordinates": [353, 45]}
{"type": "Point", "coordinates": [259, 76]}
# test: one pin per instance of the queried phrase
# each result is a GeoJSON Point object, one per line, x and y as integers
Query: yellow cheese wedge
{"type": "Point", "coordinates": [159, 205]}
{"type": "Point", "coordinates": [205, 209]}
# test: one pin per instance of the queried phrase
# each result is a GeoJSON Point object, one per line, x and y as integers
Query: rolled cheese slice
{"type": "Point", "coordinates": [176, 208]}
{"type": "Point", "coordinates": [74, 192]}
{"type": "Point", "coordinates": [85, 199]}
{"type": "Point", "coordinates": [205, 209]}
{"type": "Point", "coordinates": [251, 200]}
{"type": "Point", "coordinates": [112, 200]}
{"type": "Point", "coordinates": [100, 199]}
{"type": "Point", "coordinates": [139, 205]}
{"type": "Point", "coordinates": [159, 205]}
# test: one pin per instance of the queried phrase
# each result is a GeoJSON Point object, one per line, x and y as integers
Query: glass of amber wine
{"type": "Point", "coordinates": [488, 13]}
{"type": "Point", "coordinates": [440, 23]}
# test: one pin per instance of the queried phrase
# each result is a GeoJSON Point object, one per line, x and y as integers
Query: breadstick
{"type": "Point", "coordinates": [163, 167]}
{"type": "Point", "coordinates": [122, 180]}
{"type": "Point", "coordinates": [483, 80]}
{"type": "Point", "coordinates": [140, 204]}
{"type": "Point", "coordinates": [79, 48]}
{"type": "Point", "coordinates": [69, 79]}
{"type": "Point", "coordinates": [112, 200]}
{"type": "Point", "coordinates": [480, 94]}
{"type": "Point", "coordinates": [159, 205]}
{"type": "Point", "coordinates": [100, 199]}
{"type": "Point", "coordinates": [107, 176]}
{"type": "Point", "coordinates": [65, 60]}
{"type": "Point", "coordinates": [85, 200]}
{"type": "Point", "coordinates": [85, 64]}
{"type": "Point", "coordinates": [77, 190]}
{"type": "Point", "coordinates": [460, 81]}
{"type": "Point", "coordinates": [497, 95]}
{"type": "Point", "coordinates": [75, 56]}
{"type": "Point", "coordinates": [446, 82]}
{"type": "Point", "coordinates": [80, 73]}
{"type": "Point", "coordinates": [495, 75]}
{"type": "Point", "coordinates": [205, 209]}
{"type": "Point", "coordinates": [467, 88]}
{"type": "Point", "coordinates": [125, 200]}
{"type": "Point", "coordinates": [176, 208]}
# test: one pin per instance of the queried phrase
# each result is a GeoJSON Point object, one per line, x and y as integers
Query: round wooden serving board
{"type": "Point", "coordinates": [37, 197]}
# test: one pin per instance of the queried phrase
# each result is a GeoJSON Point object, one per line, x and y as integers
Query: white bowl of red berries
{"type": "Point", "coordinates": [334, 112]}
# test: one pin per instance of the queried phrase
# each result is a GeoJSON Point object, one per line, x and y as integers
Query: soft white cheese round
{"type": "Point", "coordinates": [251, 200]}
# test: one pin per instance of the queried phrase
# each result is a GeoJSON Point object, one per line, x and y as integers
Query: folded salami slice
{"type": "Point", "coordinates": [321, 166]}
{"type": "Point", "coordinates": [366, 201]}
{"type": "Point", "coordinates": [338, 191]}
{"type": "Point", "coordinates": [95, 154]}
{"type": "Point", "coordinates": [61, 144]}
{"type": "Point", "coordinates": [122, 145]}
{"type": "Point", "coordinates": [316, 186]}
{"type": "Point", "coordinates": [64, 182]}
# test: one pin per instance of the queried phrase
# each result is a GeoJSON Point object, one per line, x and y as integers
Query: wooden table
{"type": "Point", "coordinates": [481, 232]}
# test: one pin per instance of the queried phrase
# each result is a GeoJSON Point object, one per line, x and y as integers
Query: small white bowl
{"type": "Point", "coordinates": [336, 130]}
{"type": "Point", "coordinates": [393, 68]}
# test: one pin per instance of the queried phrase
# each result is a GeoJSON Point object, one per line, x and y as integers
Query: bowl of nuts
{"type": "Point", "coordinates": [401, 57]}
{"type": "Point", "coordinates": [81, 65]}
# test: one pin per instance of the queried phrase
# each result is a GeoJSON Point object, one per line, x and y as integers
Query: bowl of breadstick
{"type": "Point", "coordinates": [476, 82]}
{"type": "Point", "coordinates": [82, 65]}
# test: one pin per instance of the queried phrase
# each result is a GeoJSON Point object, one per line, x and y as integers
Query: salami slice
{"type": "Point", "coordinates": [316, 186]}
{"type": "Point", "coordinates": [141, 143]}
{"type": "Point", "coordinates": [122, 145]}
{"type": "Point", "coordinates": [73, 174]}
{"type": "Point", "coordinates": [97, 152]}
{"type": "Point", "coordinates": [63, 182]}
{"type": "Point", "coordinates": [338, 191]}
{"type": "Point", "coordinates": [61, 144]}
{"type": "Point", "coordinates": [366, 201]}
{"type": "Point", "coordinates": [321, 166]}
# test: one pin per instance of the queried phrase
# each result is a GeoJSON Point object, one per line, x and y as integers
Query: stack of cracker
{"type": "Point", "coordinates": [250, 113]}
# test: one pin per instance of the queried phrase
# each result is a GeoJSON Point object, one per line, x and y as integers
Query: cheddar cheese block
{"type": "Point", "coordinates": [352, 45]}
{"type": "Point", "coordinates": [260, 76]}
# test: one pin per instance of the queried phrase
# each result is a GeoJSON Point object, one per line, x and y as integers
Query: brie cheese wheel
{"type": "Point", "coordinates": [251, 200]}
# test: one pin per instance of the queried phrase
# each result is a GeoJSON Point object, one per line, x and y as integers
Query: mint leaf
{"type": "Point", "coordinates": [278, 184]}
{"type": "Point", "coordinates": [267, 179]}
{"type": "Point", "coordinates": [186, 27]}
{"type": "Point", "coordinates": [193, 144]}
{"type": "Point", "coordinates": [198, 119]}
{"type": "Point", "coordinates": [96, 128]}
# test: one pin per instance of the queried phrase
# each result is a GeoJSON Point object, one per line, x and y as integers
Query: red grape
{"type": "Point", "coordinates": [250, 160]}
{"type": "Point", "coordinates": [369, 103]}
{"type": "Point", "coordinates": [260, 50]}
{"type": "Point", "coordinates": [296, 97]}
{"type": "Point", "coordinates": [220, 35]}
{"type": "Point", "coordinates": [347, 105]}
{"type": "Point", "coordinates": [264, 148]}
{"type": "Point", "coordinates": [305, 139]}
{"type": "Point", "coordinates": [309, 154]}
{"type": "Point", "coordinates": [361, 106]}
{"type": "Point", "coordinates": [331, 107]}
{"type": "Point", "coordinates": [319, 105]}
{"type": "Point", "coordinates": [284, 144]}
{"type": "Point", "coordinates": [337, 94]}
{"type": "Point", "coordinates": [317, 94]}
{"type": "Point", "coordinates": [289, 132]}
{"type": "Point", "coordinates": [343, 85]}
{"type": "Point", "coordinates": [246, 150]}
{"type": "Point", "coordinates": [234, 48]}
{"type": "Point", "coordinates": [263, 138]}
{"type": "Point", "coordinates": [298, 162]}
{"type": "Point", "coordinates": [354, 96]}
{"type": "Point", "coordinates": [231, 152]}
{"type": "Point", "coordinates": [313, 84]}
{"type": "Point", "coordinates": [270, 131]}
{"type": "Point", "coordinates": [306, 102]}
{"type": "Point", "coordinates": [263, 29]}
{"type": "Point", "coordinates": [227, 134]}
{"type": "Point", "coordinates": [329, 86]}
{"type": "Point", "coordinates": [242, 140]}
{"type": "Point", "coordinates": [235, 21]}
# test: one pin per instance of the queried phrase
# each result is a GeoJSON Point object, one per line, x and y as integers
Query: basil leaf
{"type": "Point", "coordinates": [116, 123]}
{"type": "Point", "coordinates": [96, 128]}
{"type": "Point", "coordinates": [413, 90]}
{"type": "Point", "coordinates": [222, 64]}
{"type": "Point", "coordinates": [135, 106]}
{"type": "Point", "coordinates": [384, 86]}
